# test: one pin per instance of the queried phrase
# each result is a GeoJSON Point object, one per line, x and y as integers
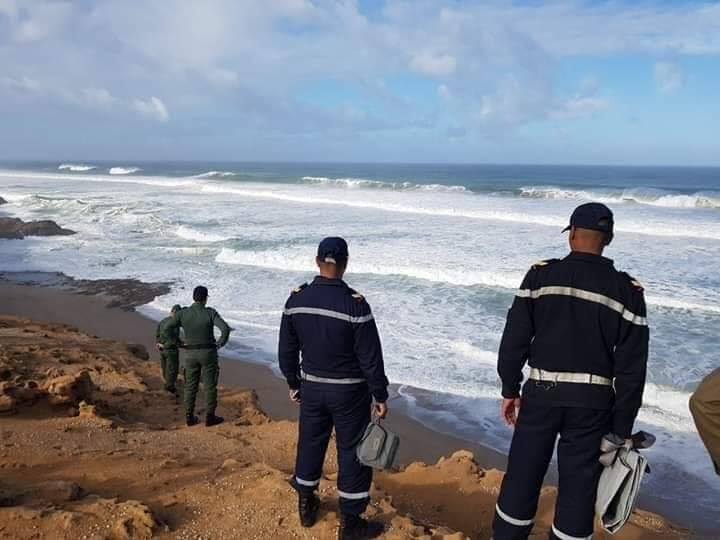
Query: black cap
{"type": "Point", "coordinates": [593, 216]}
{"type": "Point", "coordinates": [200, 293]}
{"type": "Point", "coordinates": [333, 249]}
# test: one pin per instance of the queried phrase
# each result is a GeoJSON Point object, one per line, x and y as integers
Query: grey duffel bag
{"type": "Point", "coordinates": [378, 446]}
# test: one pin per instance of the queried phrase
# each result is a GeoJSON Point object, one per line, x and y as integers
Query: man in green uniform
{"type": "Point", "coordinates": [201, 360]}
{"type": "Point", "coordinates": [167, 339]}
{"type": "Point", "coordinates": [705, 408]}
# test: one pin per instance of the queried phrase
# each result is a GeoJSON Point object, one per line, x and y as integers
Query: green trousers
{"type": "Point", "coordinates": [705, 408]}
{"type": "Point", "coordinates": [169, 363]}
{"type": "Point", "coordinates": [201, 364]}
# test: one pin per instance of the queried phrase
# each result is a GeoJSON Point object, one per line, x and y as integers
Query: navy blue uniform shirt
{"type": "Point", "coordinates": [333, 328]}
{"type": "Point", "coordinates": [579, 315]}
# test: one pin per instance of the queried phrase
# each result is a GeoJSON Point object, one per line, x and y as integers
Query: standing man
{"type": "Point", "coordinates": [705, 408]}
{"type": "Point", "coordinates": [582, 327]}
{"type": "Point", "coordinates": [167, 338]}
{"type": "Point", "coordinates": [201, 360]}
{"type": "Point", "coordinates": [340, 372]}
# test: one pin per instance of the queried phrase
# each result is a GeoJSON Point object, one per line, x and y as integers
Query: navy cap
{"type": "Point", "coordinates": [593, 216]}
{"type": "Point", "coordinates": [333, 249]}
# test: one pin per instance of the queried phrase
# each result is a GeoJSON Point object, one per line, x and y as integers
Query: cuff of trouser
{"type": "Point", "coordinates": [623, 424]}
{"type": "Point", "coordinates": [380, 395]}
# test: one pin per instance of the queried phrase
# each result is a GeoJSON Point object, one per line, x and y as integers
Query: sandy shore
{"type": "Point", "coordinates": [454, 495]}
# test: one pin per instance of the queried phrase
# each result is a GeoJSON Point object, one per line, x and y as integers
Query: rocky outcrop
{"type": "Point", "coordinates": [2, 201]}
{"type": "Point", "coordinates": [69, 389]}
{"type": "Point", "coordinates": [15, 228]}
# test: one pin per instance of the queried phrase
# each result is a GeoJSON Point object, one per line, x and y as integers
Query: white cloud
{"type": "Point", "coordinates": [669, 77]}
{"type": "Point", "coordinates": [578, 106]}
{"type": "Point", "coordinates": [434, 65]}
{"type": "Point", "coordinates": [152, 108]}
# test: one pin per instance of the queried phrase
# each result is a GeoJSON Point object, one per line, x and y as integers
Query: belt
{"type": "Point", "coordinates": [579, 378]}
{"type": "Point", "coordinates": [202, 346]}
{"type": "Point", "coordinates": [312, 378]}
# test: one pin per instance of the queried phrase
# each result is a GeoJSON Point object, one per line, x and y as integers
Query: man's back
{"type": "Point", "coordinates": [168, 332]}
{"type": "Point", "coordinates": [198, 322]}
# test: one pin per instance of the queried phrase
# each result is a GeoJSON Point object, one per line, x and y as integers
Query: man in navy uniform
{"type": "Point", "coordinates": [581, 326]}
{"type": "Point", "coordinates": [332, 327]}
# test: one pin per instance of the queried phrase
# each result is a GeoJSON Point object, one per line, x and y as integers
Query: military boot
{"type": "Point", "coordinates": [308, 506]}
{"type": "Point", "coordinates": [354, 527]}
{"type": "Point", "coordinates": [212, 420]}
{"type": "Point", "coordinates": [191, 420]}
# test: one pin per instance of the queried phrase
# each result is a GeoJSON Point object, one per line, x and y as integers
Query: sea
{"type": "Point", "coordinates": [437, 250]}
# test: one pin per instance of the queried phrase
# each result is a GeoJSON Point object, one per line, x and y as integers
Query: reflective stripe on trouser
{"type": "Point", "coordinates": [538, 427]}
{"type": "Point", "coordinates": [347, 408]}
{"type": "Point", "coordinates": [201, 364]}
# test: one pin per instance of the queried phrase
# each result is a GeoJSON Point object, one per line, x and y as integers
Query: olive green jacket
{"type": "Point", "coordinates": [168, 333]}
{"type": "Point", "coordinates": [198, 323]}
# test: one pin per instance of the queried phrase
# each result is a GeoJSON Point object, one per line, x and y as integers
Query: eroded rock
{"type": "Point", "coordinates": [15, 228]}
{"type": "Point", "coordinates": [138, 351]}
{"type": "Point", "coordinates": [69, 389]}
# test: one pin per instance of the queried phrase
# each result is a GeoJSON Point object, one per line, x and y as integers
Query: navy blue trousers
{"type": "Point", "coordinates": [580, 432]}
{"type": "Point", "coordinates": [347, 408]}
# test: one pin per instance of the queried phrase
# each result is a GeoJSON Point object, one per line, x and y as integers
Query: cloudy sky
{"type": "Point", "coordinates": [365, 80]}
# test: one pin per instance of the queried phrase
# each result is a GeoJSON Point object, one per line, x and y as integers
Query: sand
{"type": "Point", "coordinates": [123, 465]}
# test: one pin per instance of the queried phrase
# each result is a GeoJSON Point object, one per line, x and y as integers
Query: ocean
{"type": "Point", "coordinates": [436, 249]}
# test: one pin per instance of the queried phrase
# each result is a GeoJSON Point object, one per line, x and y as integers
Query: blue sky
{"type": "Point", "coordinates": [375, 80]}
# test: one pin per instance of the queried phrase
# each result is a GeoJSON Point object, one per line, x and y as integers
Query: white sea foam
{"type": "Point", "coordinates": [189, 233]}
{"type": "Point", "coordinates": [299, 262]}
{"type": "Point", "coordinates": [124, 170]}
{"type": "Point", "coordinates": [161, 181]}
{"type": "Point", "coordinates": [645, 196]}
{"type": "Point", "coordinates": [215, 174]}
{"type": "Point", "coordinates": [76, 168]}
{"type": "Point", "coordinates": [355, 183]}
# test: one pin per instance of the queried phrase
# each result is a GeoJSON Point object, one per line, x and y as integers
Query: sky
{"type": "Point", "coordinates": [578, 82]}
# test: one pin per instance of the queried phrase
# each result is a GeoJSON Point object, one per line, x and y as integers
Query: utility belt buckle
{"type": "Point", "coordinates": [546, 385]}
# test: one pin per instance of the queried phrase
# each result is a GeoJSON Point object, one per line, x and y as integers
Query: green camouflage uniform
{"type": "Point", "coordinates": [201, 358]}
{"type": "Point", "coordinates": [168, 335]}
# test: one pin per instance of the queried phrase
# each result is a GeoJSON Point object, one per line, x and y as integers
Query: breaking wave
{"type": "Point", "coordinates": [215, 174]}
{"type": "Point", "coordinates": [124, 170]}
{"type": "Point", "coordinates": [198, 236]}
{"type": "Point", "coordinates": [76, 168]}
{"type": "Point", "coordinates": [646, 196]}
{"type": "Point", "coordinates": [356, 183]}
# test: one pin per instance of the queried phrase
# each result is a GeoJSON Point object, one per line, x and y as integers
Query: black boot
{"type": "Point", "coordinates": [354, 527]}
{"type": "Point", "coordinates": [191, 420]}
{"type": "Point", "coordinates": [212, 420]}
{"type": "Point", "coordinates": [308, 506]}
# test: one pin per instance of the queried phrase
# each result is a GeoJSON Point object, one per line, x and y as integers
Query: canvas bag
{"type": "Point", "coordinates": [378, 446]}
{"type": "Point", "coordinates": [620, 483]}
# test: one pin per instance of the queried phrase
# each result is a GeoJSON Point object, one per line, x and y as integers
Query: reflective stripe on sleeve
{"type": "Point", "coordinates": [309, 483]}
{"type": "Point", "coordinates": [354, 496]}
{"type": "Point", "coordinates": [328, 313]}
{"type": "Point", "coordinates": [562, 536]}
{"type": "Point", "coordinates": [511, 520]}
{"type": "Point", "coordinates": [584, 295]}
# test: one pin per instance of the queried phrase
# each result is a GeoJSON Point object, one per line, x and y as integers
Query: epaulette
{"type": "Point", "coordinates": [299, 288]}
{"type": "Point", "coordinates": [546, 262]}
{"type": "Point", "coordinates": [634, 282]}
{"type": "Point", "coordinates": [356, 295]}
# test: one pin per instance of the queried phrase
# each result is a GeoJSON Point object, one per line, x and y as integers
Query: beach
{"type": "Point", "coordinates": [131, 458]}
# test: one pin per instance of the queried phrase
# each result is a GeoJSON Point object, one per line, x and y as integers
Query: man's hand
{"type": "Point", "coordinates": [380, 410]}
{"type": "Point", "coordinates": [294, 396]}
{"type": "Point", "coordinates": [159, 346]}
{"type": "Point", "coordinates": [509, 410]}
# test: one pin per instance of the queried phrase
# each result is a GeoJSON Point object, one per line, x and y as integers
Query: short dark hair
{"type": "Point", "coordinates": [200, 293]}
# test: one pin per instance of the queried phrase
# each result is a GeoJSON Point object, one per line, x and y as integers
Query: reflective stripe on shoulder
{"type": "Point", "coordinates": [328, 313]}
{"type": "Point", "coordinates": [564, 536]}
{"type": "Point", "coordinates": [512, 520]}
{"type": "Point", "coordinates": [354, 496]}
{"type": "Point", "coordinates": [584, 295]}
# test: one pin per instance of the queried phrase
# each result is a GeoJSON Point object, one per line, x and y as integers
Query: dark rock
{"type": "Point", "coordinates": [14, 228]}
{"type": "Point", "coordinates": [2, 201]}
{"type": "Point", "coordinates": [138, 351]}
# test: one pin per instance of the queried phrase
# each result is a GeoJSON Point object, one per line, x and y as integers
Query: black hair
{"type": "Point", "coordinates": [200, 293]}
